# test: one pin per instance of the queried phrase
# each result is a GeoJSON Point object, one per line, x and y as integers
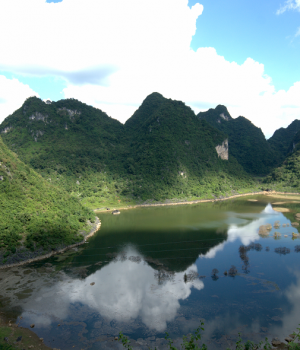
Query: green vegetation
{"type": "Point", "coordinates": [286, 177]}
{"type": "Point", "coordinates": [283, 139]}
{"type": "Point", "coordinates": [15, 338]}
{"type": "Point", "coordinates": [162, 152]}
{"type": "Point", "coordinates": [193, 342]}
{"type": "Point", "coordinates": [247, 143]}
{"type": "Point", "coordinates": [34, 213]}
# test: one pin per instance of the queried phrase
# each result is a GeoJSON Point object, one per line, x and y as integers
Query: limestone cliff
{"type": "Point", "coordinates": [222, 150]}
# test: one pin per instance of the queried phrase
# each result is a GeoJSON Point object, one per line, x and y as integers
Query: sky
{"type": "Point", "coordinates": [112, 54]}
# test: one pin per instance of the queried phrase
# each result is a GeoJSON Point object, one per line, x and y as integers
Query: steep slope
{"type": "Point", "coordinates": [175, 152]}
{"type": "Point", "coordinates": [247, 143]}
{"type": "Point", "coordinates": [287, 176]}
{"type": "Point", "coordinates": [295, 144]}
{"type": "Point", "coordinates": [70, 144]}
{"type": "Point", "coordinates": [34, 213]}
{"type": "Point", "coordinates": [283, 138]}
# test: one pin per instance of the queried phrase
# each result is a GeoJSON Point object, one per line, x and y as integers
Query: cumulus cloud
{"type": "Point", "coordinates": [289, 5]}
{"type": "Point", "coordinates": [12, 95]}
{"type": "Point", "coordinates": [114, 53]}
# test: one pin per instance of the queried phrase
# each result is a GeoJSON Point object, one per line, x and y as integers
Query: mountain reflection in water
{"type": "Point", "coordinates": [144, 279]}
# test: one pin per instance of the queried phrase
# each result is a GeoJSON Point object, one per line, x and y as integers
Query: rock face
{"type": "Point", "coordinates": [6, 130]}
{"type": "Point", "coordinates": [70, 112]}
{"type": "Point", "coordinates": [224, 116]}
{"type": "Point", "coordinates": [222, 150]}
{"type": "Point", "coordinates": [38, 116]}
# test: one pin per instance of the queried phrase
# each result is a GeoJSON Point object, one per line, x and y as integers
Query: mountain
{"type": "Point", "coordinates": [246, 142]}
{"type": "Point", "coordinates": [162, 152]}
{"type": "Point", "coordinates": [176, 152]}
{"type": "Point", "coordinates": [35, 215]}
{"type": "Point", "coordinates": [70, 144]}
{"type": "Point", "coordinates": [283, 139]}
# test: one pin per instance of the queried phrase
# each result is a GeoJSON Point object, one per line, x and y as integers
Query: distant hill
{"type": "Point", "coordinates": [282, 139]}
{"type": "Point", "coordinates": [247, 143]}
{"type": "Point", "coordinates": [162, 152]}
{"type": "Point", "coordinates": [35, 215]}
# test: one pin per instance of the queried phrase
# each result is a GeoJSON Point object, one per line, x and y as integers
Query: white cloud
{"type": "Point", "coordinates": [12, 95]}
{"type": "Point", "coordinates": [114, 53]}
{"type": "Point", "coordinates": [289, 5]}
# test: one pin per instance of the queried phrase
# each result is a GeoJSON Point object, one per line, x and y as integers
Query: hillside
{"type": "Point", "coordinates": [162, 152]}
{"type": "Point", "coordinates": [283, 139]}
{"type": "Point", "coordinates": [286, 177]}
{"type": "Point", "coordinates": [247, 143]}
{"type": "Point", "coordinates": [35, 215]}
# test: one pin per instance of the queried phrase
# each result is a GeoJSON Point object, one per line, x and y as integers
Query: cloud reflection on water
{"type": "Point", "coordinates": [247, 233]}
{"type": "Point", "coordinates": [123, 290]}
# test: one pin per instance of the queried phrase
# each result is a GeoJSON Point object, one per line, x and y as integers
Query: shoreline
{"type": "Point", "coordinates": [197, 201]}
{"type": "Point", "coordinates": [48, 255]}
{"type": "Point", "coordinates": [98, 222]}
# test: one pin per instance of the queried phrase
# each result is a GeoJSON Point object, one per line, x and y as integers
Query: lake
{"type": "Point", "coordinates": [149, 271]}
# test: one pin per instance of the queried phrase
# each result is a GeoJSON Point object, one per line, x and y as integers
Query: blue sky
{"type": "Point", "coordinates": [239, 29]}
{"type": "Point", "coordinates": [245, 55]}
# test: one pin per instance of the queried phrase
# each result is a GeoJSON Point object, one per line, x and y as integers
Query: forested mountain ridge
{"type": "Point", "coordinates": [283, 139]}
{"type": "Point", "coordinates": [162, 152]}
{"type": "Point", "coordinates": [34, 214]}
{"type": "Point", "coordinates": [247, 143]}
{"type": "Point", "coordinates": [178, 151]}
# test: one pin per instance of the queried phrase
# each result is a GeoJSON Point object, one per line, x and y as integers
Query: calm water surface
{"type": "Point", "coordinates": [144, 267]}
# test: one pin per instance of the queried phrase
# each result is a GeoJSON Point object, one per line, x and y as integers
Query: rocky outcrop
{"type": "Point", "coordinates": [224, 116]}
{"type": "Point", "coordinates": [67, 111]}
{"type": "Point", "coordinates": [38, 116]}
{"type": "Point", "coordinates": [222, 150]}
{"type": "Point", "coordinates": [6, 130]}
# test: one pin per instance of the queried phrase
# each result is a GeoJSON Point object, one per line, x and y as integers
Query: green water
{"type": "Point", "coordinates": [149, 270]}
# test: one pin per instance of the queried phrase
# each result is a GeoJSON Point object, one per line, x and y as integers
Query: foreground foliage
{"type": "Point", "coordinates": [193, 342]}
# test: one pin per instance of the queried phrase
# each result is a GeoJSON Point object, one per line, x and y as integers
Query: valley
{"type": "Point", "coordinates": [199, 187]}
